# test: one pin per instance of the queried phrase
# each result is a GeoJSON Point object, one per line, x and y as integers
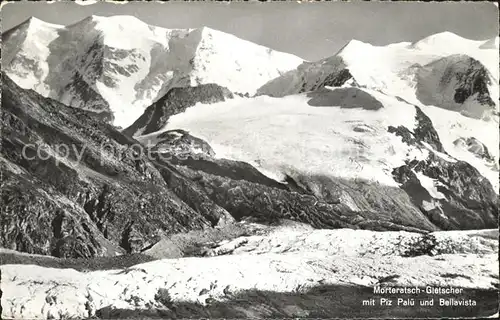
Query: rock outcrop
{"type": "Point", "coordinates": [245, 192]}
{"type": "Point", "coordinates": [452, 193]}
{"type": "Point", "coordinates": [176, 100]}
{"type": "Point", "coordinates": [456, 82]}
{"type": "Point", "coordinates": [337, 146]}
{"type": "Point", "coordinates": [90, 190]}
{"type": "Point", "coordinates": [309, 76]}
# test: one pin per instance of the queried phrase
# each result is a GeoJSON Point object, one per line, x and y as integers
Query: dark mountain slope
{"type": "Point", "coordinates": [467, 199]}
{"type": "Point", "coordinates": [456, 82]}
{"type": "Point", "coordinates": [93, 191]}
{"type": "Point", "coordinates": [176, 100]}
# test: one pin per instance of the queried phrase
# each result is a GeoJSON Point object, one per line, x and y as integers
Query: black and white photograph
{"type": "Point", "coordinates": [249, 160]}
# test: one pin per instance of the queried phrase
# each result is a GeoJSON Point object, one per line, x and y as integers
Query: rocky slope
{"type": "Point", "coordinates": [245, 192]}
{"type": "Point", "coordinates": [90, 191]}
{"type": "Point", "coordinates": [119, 65]}
{"type": "Point", "coordinates": [456, 82]}
{"type": "Point", "coordinates": [206, 176]}
{"type": "Point", "coordinates": [272, 273]}
{"type": "Point", "coordinates": [176, 100]}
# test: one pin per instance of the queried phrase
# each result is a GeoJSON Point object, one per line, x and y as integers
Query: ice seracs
{"type": "Point", "coordinates": [284, 259]}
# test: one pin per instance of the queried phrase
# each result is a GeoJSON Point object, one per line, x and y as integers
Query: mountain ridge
{"type": "Point", "coordinates": [133, 63]}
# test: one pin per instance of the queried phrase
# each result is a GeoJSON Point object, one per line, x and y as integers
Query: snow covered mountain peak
{"type": "Point", "coordinates": [119, 65]}
{"type": "Point", "coordinates": [449, 42]}
{"type": "Point", "coordinates": [391, 68]}
{"type": "Point", "coordinates": [440, 38]}
{"type": "Point", "coordinates": [34, 22]}
{"type": "Point", "coordinates": [120, 19]}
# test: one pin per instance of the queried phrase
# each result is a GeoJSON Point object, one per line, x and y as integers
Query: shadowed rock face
{"type": "Point", "coordinates": [176, 100]}
{"type": "Point", "coordinates": [80, 93]}
{"type": "Point", "coordinates": [101, 198]}
{"type": "Point", "coordinates": [466, 200]}
{"type": "Point", "coordinates": [345, 98]}
{"type": "Point", "coordinates": [179, 148]}
{"type": "Point", "coordinates": [457, 82]}
{"type": "Point", "coordinates": [72, 78]}
{"type": "Point", "coordinates": [239, 276]}
{"type": "Point", "coordinates": [474, 146]}
{"type": "Point", "coordinates": [470, 201]}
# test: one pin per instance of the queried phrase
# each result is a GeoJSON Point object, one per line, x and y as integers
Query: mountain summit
{"type": "Point", "coordinates": [117, 66]}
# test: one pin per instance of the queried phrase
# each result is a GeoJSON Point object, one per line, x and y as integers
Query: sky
{"type": "Point", "coordinates": [309, 30]}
